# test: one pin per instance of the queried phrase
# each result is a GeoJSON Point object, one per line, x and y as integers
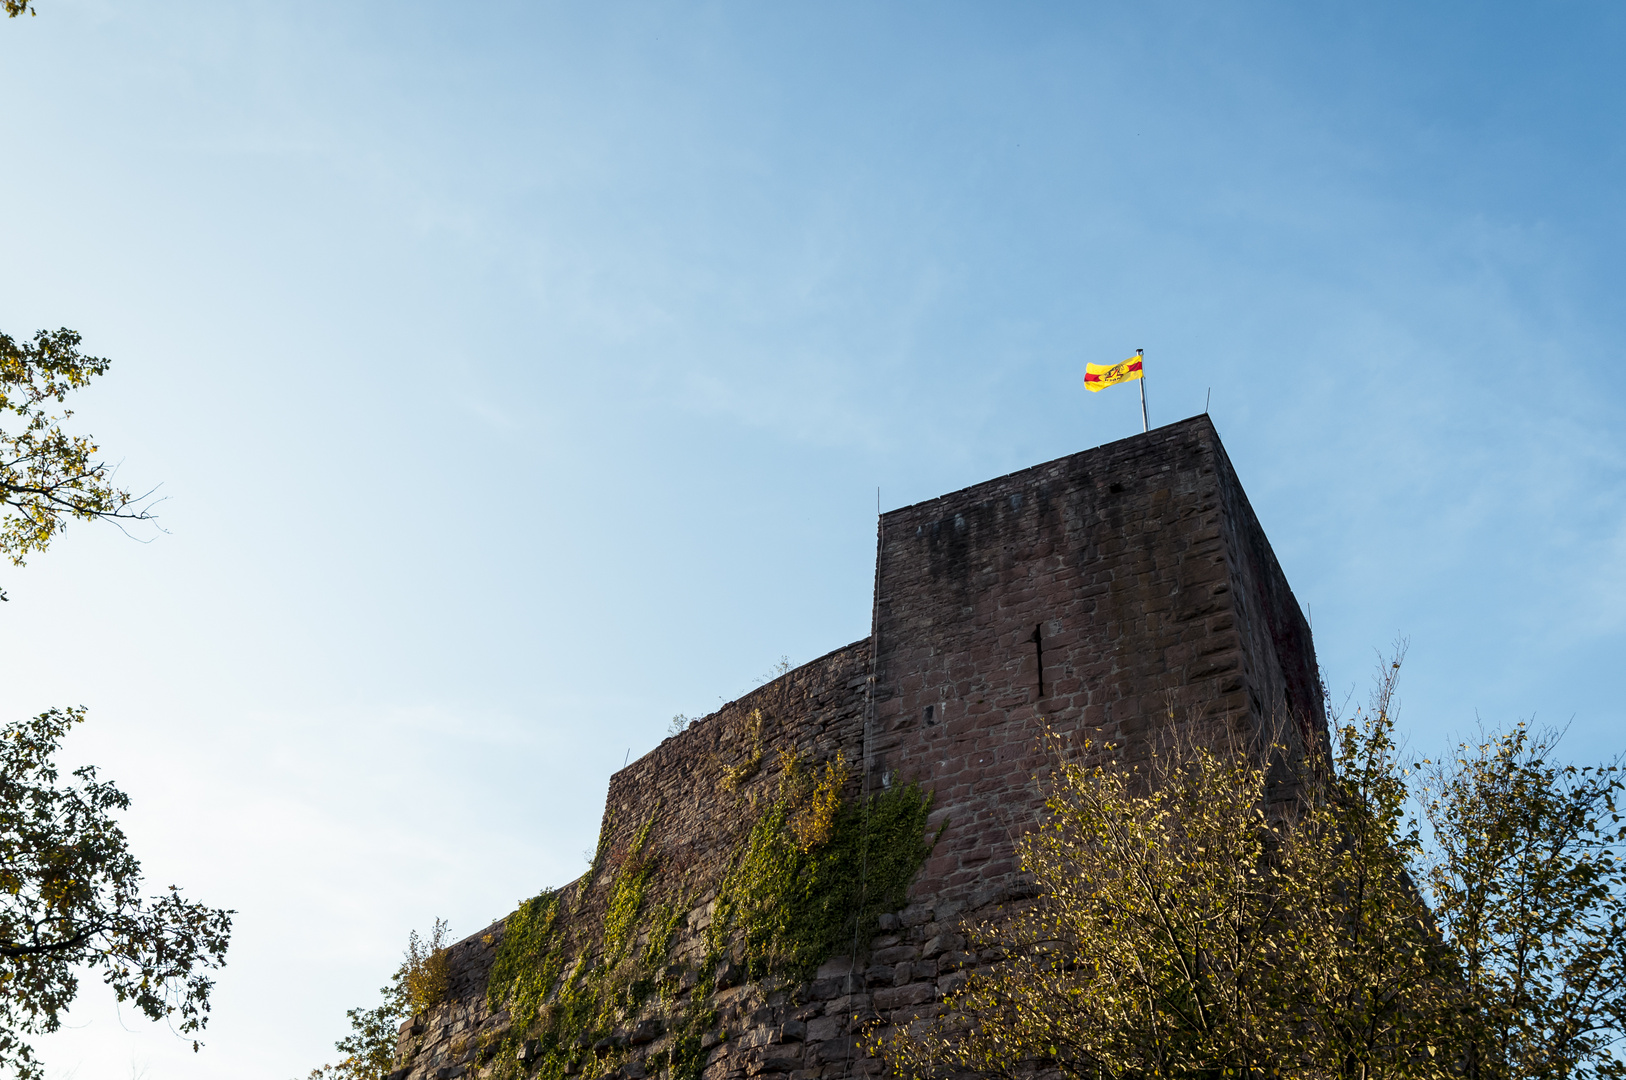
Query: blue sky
{"type": "Point", "coordinates": [521, 375]}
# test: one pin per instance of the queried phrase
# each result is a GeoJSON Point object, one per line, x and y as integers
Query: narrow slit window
{"type": "Point", "coordinates": [1038, 654]}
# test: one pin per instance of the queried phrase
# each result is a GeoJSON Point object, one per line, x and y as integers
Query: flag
{"type": "Point", "coordinates": [1101, 376]}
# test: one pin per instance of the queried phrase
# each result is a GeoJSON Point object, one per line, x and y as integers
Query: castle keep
{"type": "Point", "coordinates": [1092, 596]}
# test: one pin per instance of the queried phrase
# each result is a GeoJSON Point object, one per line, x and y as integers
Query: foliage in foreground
{"type": "Point", "coordinates": [418, 985]}
{"type": "Point", "coordinates": [70, 891]}
{"type": "Point", "coordinates": [71, 901]}
{"type": "Point", "coordinates": [1188, 926]}
{"type": "Point", "coordinates": [1528, 881]}
{"type": "Point", "coordinates": [48, 475]}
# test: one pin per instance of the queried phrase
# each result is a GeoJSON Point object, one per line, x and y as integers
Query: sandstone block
{"type": "Point", "coordinates": [900, 996]}
{"type": "Point", "coordinates": [825, 1027]}
{"type": "Point", "coordinates": [914, 916]}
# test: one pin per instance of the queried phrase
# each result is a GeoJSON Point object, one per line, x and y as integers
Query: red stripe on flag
{"type": "Point", "coordinates": [1091, 376]}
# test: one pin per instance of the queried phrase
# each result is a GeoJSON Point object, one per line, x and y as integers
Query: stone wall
{"type": "Point", "coordinates": [697, 819]}
{"type": "Point", "coordinates": [815, 710]}
{"type": "Point", "coordinates": [763, 1029]}
{"type": "Point", "coordinates": [1101, 596]}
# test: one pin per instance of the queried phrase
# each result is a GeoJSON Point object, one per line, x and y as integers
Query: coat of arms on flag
{"type": "Point", "coordinates": [1101, 376]}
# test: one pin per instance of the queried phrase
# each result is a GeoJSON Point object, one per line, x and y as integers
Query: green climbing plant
{"type": "Point", "coordinates": [794, 905]}
{"type": "Point", "coordinates": [563, 988]}
{"type": "Point", "coordinates": [811, 875]}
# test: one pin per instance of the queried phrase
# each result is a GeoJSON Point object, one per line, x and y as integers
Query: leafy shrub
{"type": "Point", "coordinates": [419, 984]}
{"type": "Point", "coordinates": [426, 975]}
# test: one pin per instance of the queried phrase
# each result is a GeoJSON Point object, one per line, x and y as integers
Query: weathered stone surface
{"type": "Point", "coordinates": [898, 996]}
{"type": "Point", "coordinates": [889, 957]}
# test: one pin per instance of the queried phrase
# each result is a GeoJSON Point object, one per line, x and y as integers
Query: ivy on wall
{"type": "Point", "coordinates": [807, 883]}
{"type": "Point", "coordinates": [794, 905]}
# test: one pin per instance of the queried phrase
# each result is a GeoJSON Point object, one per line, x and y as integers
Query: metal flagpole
{"type": "Point", "coordinates": [1145, 424]}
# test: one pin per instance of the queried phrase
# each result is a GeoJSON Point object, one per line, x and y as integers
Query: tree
{"type": "Point", "coordinates": [71, 894]}
{"type": "Point", "coordinates": [47, 475]}
{"type": "Point", "coordinates": [70, 891]}
{"type": "Point", "coordinates": [1196, 917]}
{"type": "Point", "coordinates": [15, 8]}
{"type": "Point", "coordinates": [1369, 970]}
{"type": "Point", "coordinates": [1193, 920]}
{"type": "Point", "coordinates": [1528, 879]}
{"type": "Point", "coordinates": [71, 899]}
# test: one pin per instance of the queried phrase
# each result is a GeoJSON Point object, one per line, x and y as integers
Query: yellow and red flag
{"type": "Point", "coordinates": [1101, 376]}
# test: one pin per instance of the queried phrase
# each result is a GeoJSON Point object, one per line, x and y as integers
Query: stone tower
{"type": "Point", "coordinates": [1094, 593]}
{"type": "Point", "coordinates": [1091, 596]}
